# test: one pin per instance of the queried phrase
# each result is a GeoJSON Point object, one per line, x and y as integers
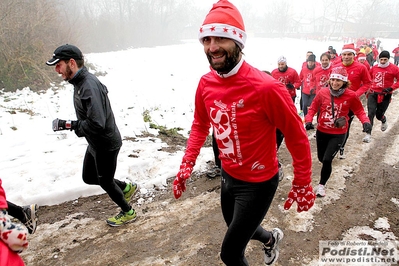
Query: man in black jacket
{"type": "Point", "coordinates": [96, 122]}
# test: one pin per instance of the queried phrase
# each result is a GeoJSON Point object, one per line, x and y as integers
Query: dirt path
{"type": "Point", "coordinates": [189, 231]}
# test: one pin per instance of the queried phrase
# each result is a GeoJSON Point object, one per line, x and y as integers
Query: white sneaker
{"type": "Point", "coordinates": [321, 191]}
{"type": "Point", "coordinates": [384, 126]}
{"type": "Point", "coordinates": [367, 138]}
{"type": "Point", "coordinates": [271, 253]}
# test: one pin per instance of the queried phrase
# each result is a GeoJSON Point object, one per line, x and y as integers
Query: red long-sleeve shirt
{"type": "Point", "coordinates": [290, 76]}
{"type": "Point", "coordinates": [358, 75]}
{"type": "Point", "coordinates": [396, 52]}
{"type": "Point", "coordinates": [342, 104]}
{"type": "Point", "coordinates": [321, 76]}
{"type": "Point", "coordinates": [245, 109]}
{"type": "Point", "coordinates": [308, 81]}
{"type": "Point", "coordinates": [384, 77]}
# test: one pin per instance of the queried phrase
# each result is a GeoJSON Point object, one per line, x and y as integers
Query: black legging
{"type": "Point", "coordinates": [327, 147]}
{"type": "Point", "coordinates": [16, 212]}
{"type": "Point", "coordinates": [99, 169]}
{"type": "Point", "coordinates": [244, 205]}
{"type": "Point", "coordinates": [279, 138]}
{"type": "Point", "coordinates": [216, 151]}
{"type": "Point", "coordinates": [376, 109]}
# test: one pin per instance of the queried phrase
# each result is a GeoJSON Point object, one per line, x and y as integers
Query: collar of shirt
{"type": "Point", "coordinates": [233, 71]}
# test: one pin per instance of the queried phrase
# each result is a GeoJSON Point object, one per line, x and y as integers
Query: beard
{"type": "Point", "coordinates": [68, 73]}
{"type": "Point", "coordinates": [231, 59]}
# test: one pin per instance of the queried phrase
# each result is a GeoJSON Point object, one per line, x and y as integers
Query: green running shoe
{"type": "Point", "coordinates": [129, 195]}
{"type": "Point", "coordinates": [122, 218]}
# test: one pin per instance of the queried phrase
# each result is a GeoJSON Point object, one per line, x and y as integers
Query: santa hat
{"type": "Point", "coordinates": [224, 20]}
{"type": "Point", "coordinates": [350, 47]}
{"type": "Point", "coordinates": [339, 73]}
{"type": "Point", "coordinates": [282, 59]}
{"type": "Point", "coordinates": [361, 56]}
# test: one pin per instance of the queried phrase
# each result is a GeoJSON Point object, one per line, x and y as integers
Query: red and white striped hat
{"type": "Point", "coordinates": [224, 20]}
{"type": "Point", "coordinates": [349, 47]}
{"type": "Point", "coordinates": [339, 73]}
{"type": "Point", "coordinates": [361, 56]}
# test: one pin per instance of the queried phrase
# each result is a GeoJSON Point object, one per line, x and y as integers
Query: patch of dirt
{"type": "Point", "coordinates": [189, 231]}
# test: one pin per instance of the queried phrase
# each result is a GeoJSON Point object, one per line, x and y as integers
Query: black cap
{"type": "Point", "coordinates": [384, 54]}
{"type": "Point", "coordinates": [65, 52]}
{"type": "Point", "coordinates": [311, 58]}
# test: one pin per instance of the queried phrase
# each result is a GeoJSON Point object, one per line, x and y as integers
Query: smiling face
{"type": "Point", "coordinates": [347, 58]}
{"type": "Point", "coordinates": [336, 84]}
{"type": "Point", "coordinates": [324, 61]}
{"type": "Point", "coordinates": [223, 53]}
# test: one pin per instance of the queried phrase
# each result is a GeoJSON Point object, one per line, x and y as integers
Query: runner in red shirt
{"type": "Point", "coordinates": [322, 72]}
{"type": "Point", "coordinates": [359, 77]}
{"type": "Point", "coordinates": [384, 77]}
{"type": "Point", "coordinates": [288, 76]}
{"type": "Point", "coordinates": [396, 55]}
{"type": "Point", "coordinates": [308, 83]}
{"type": "Point", "coordinates": [244, 106]}
{"type": "Point", "coordinates": [333, 105]}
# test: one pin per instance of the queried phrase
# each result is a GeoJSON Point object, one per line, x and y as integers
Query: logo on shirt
{"type": "Point", "coordinates": [224, 120]}
{"type": "Point", "coordinates": [240, 103]}
{"type": "Point", "coordinates": [379, 79]}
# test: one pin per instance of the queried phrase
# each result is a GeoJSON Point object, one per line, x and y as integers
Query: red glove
{"type": "Point", "coordinates": [179, 184]}
{"type": "Point", "coordinates": [302, 195]}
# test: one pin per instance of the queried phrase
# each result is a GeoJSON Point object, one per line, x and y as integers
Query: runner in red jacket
{"type": "Point", "coordinates": [288, 76]}
{"type": "Point", "coordinates": [322, 72]}
{"type": "Point", "coordinates": [384, 78]}
{"type": "Point", "coordinates": [245, 106]}
{"type": "Point", "coordinates": [333, 105]}
{"type": "Point", "coordinates": [13, 237]}
{"type": "Point", "coordinates": [396, 55]}
{"type": "Point", "coordinates": [308, 83]}
{"type": "Point", "coordinates": [359, 77]}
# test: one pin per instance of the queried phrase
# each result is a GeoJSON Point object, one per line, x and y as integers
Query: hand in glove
{"type": "Point", "coordinates": [367, 127]}
{"type": "Point", "coordinates": [289, 86]}
{"type": "Point", "coordinates": [12, 234]}
{"type": "Point", "coordinates": [59, 124]}
{"type": "Point", "coordinates": [387, 90]}
{"type": "Point", "coordinates": [302, 195]}
{"type": "Point", "coordinates": [309, 126]}
{"type": "Point", "coordinates": [179, 184]}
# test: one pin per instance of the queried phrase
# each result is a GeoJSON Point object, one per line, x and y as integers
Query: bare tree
{"type": "Point", "coordinates": [27, 33]}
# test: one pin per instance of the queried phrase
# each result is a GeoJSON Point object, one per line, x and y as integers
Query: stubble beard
{"type": "Point", "coordinates": [68, 73]}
